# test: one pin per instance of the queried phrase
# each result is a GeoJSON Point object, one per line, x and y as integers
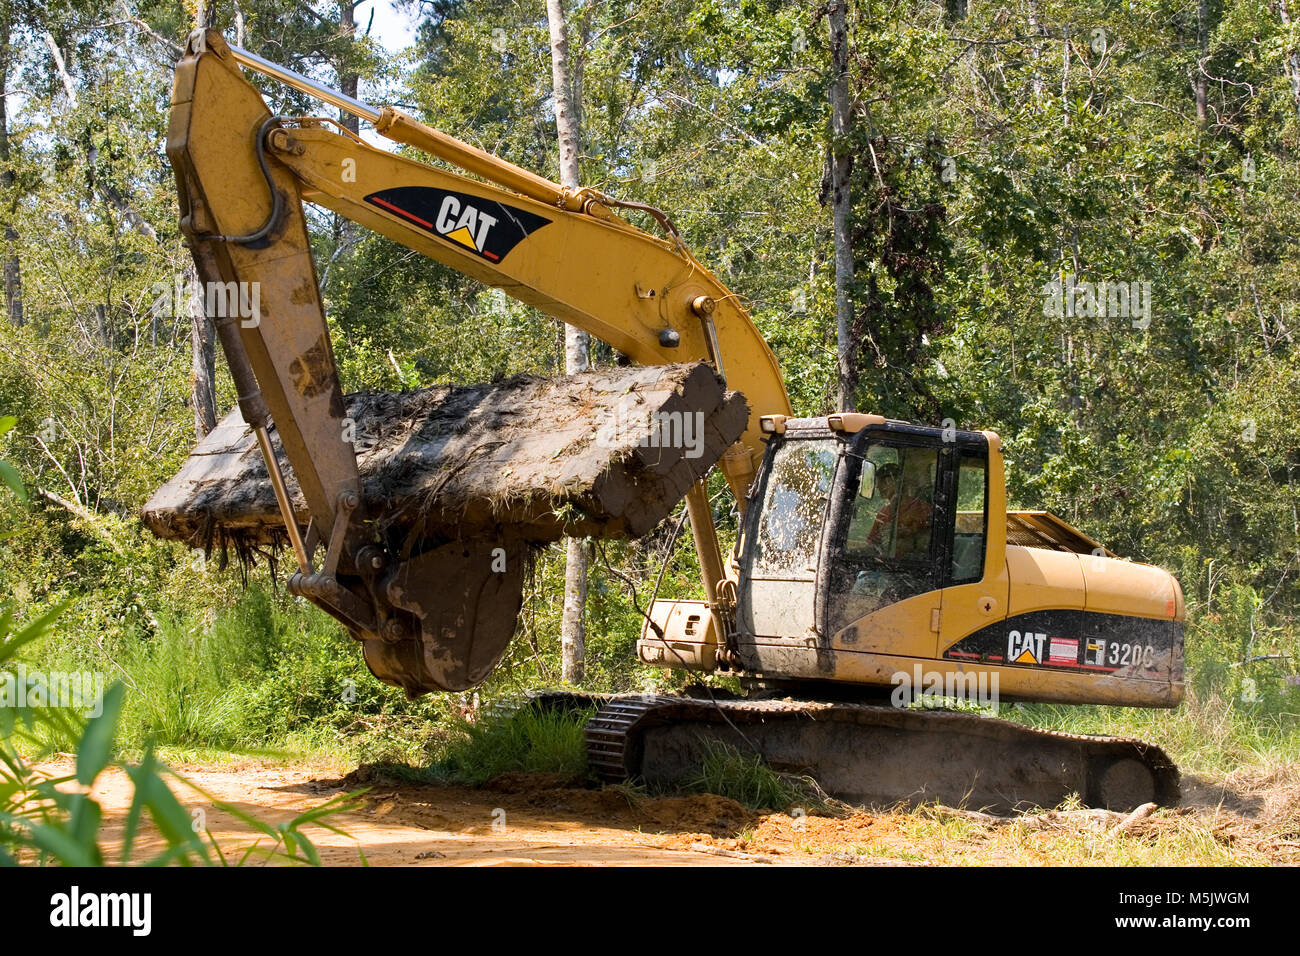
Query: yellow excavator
{"type": "Point", "coordinates": [875, 559]}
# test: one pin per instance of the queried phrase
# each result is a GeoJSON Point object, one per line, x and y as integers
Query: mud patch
{"type": "Point", "coordinates": [699, 813]}
{"type": "Point", "coordinates": [611, 806]}
{"type": "Point", "coordinates": [566, 797]}
{"type": "Point", "coordinates": [519, 782]}
{"type": "Point", "coordinates": [606, 453]}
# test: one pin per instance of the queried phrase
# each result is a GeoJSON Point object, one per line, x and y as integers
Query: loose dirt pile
{"type": "Point", "coordinates": [698, 814]}
{"type": "Point", "coordinates": [606, 453]}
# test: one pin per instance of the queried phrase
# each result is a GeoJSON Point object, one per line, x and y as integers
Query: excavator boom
{"type": "Point", "coordinates": [242, 176]}
{"type": "Point", "coordinates": [562, 251]}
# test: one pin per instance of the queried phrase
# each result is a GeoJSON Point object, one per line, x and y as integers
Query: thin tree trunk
{"type": "Point", "coordinates": [205, 14]}
{"type": "Point", "coordinates": [348, 78]}
{"type": "Point", "coordinates": [1291, 57]}
{"type": "Point", "coordinates": [577, 345]}
{"type": "Point", "coordinates": [567, 118]}
{"type": "Point", "coordinates": [69, 87]}
{"type": "Point", "coordinates": [1036, 29]}
{"type": "Point", "coordinates": [12, 266]}
{"type": "Point", "coordinates": [1199, 84]}
{"type": "Point", "coordinates": [344, 230]}
{"type": "Point", "coordinates": [841, 164]}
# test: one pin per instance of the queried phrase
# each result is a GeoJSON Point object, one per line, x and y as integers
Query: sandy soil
{"type": "Point", "coordinates": [525, 821]}
{"type": "Point", "coordinates": [547, 819]}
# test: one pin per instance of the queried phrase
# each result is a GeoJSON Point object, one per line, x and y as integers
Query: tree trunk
{"type": "Point", "coordinates": [343, 230]}
{"type": "Point", "coordinates": [1199, 84]}
{"type": "Point", "coordinates": [348, 78]}
{"type": "Point", "coordinates": [577, 344]}
{"type": "Point", "coordinates": [1290, 57]}
{"type": "Point", "coordinates": [841, 164]}
{"type": "Point", "coordinates": [1036, 30]}
{"type": "Point", "coordinates": [69, 87]}
{"type": "Point", "coordinates": [12, 266]}
{"type": "Point", "coordinates": [205, 14]}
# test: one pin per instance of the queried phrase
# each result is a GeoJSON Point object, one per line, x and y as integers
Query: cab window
{"type": "Point", "coordinates": [971, 525]}
{"type": "Point", "coordinates": [886, 554]}
{"type": "Point", "coordinates": [794, 504]}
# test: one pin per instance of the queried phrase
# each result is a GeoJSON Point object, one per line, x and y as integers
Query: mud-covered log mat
{"type": "Point", "coordinates": [606, 453]}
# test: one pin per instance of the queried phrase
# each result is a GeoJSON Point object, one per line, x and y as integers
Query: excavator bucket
{"type": "Point", "coordinates": [465, 597]}
{"type": "Point", "coordinates": [462, 484]}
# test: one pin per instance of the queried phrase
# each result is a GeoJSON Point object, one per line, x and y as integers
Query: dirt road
{"type": "Point", "coordinates": [448, 826]}
{"type": "Point", "coordinates": [546, 819]}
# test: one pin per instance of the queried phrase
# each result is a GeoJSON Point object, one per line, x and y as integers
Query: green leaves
{"type": "Point", "coordinates": [72, 840]}
{"type": "Point", "coordinates": [96, 744]}
{"type": "Point", "coordinates": [170, 817]}
{"type": "Point", "coordinates": [53, 819]}
{"type": "Point", "coordinates": [11, 644]}
{"type": "Point", "coordinates": [8, 473]}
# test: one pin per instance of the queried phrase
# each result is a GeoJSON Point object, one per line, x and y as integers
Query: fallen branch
{"type": "Point", "coordinates": [733, 854]}
{"type": "Point", "coordinates": [85, 514]}
{"type": "Point", "coordinates": [1141, 813]}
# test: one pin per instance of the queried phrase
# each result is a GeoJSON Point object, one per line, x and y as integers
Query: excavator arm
{"type": "Point", "coordinates": [242, 175]}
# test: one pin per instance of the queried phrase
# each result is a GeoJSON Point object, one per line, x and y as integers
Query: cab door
{"type": "Point", "coordinates": [974, 567]}
{"type": "Point", "coordinates": [882, 581]}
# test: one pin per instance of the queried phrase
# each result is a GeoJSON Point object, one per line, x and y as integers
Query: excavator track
{"type": "Point", "coordinates": [881, 755]}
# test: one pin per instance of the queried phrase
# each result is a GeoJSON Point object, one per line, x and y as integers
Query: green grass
{"type": "Point", "coordinates": [264, 673]}
{"type": "Point", "coordinates": [744, 778]}
{"type": "Point", "coordinates": [44, 821]}
{"type": "Point", "coordinates": [530, 741]}
{"type": "Point", "coordinates": [1210, 734]}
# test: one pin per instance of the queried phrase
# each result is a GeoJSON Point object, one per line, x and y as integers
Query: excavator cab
{"type": "Point", "coordinates": [851, 534]}
{"type": "Point", "coordinates": [871, 547]}
{"type": "Point", "coordinates": [904, 538]}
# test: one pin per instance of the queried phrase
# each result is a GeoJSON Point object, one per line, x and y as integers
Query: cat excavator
{"type": "Point", "coordinates": [877, 565]}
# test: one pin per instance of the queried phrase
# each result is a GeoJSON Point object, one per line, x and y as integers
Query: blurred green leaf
{"type": "Point", "coordinates": [97, 742]}
{"type": "Point", "coordinates": [10, 477]}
